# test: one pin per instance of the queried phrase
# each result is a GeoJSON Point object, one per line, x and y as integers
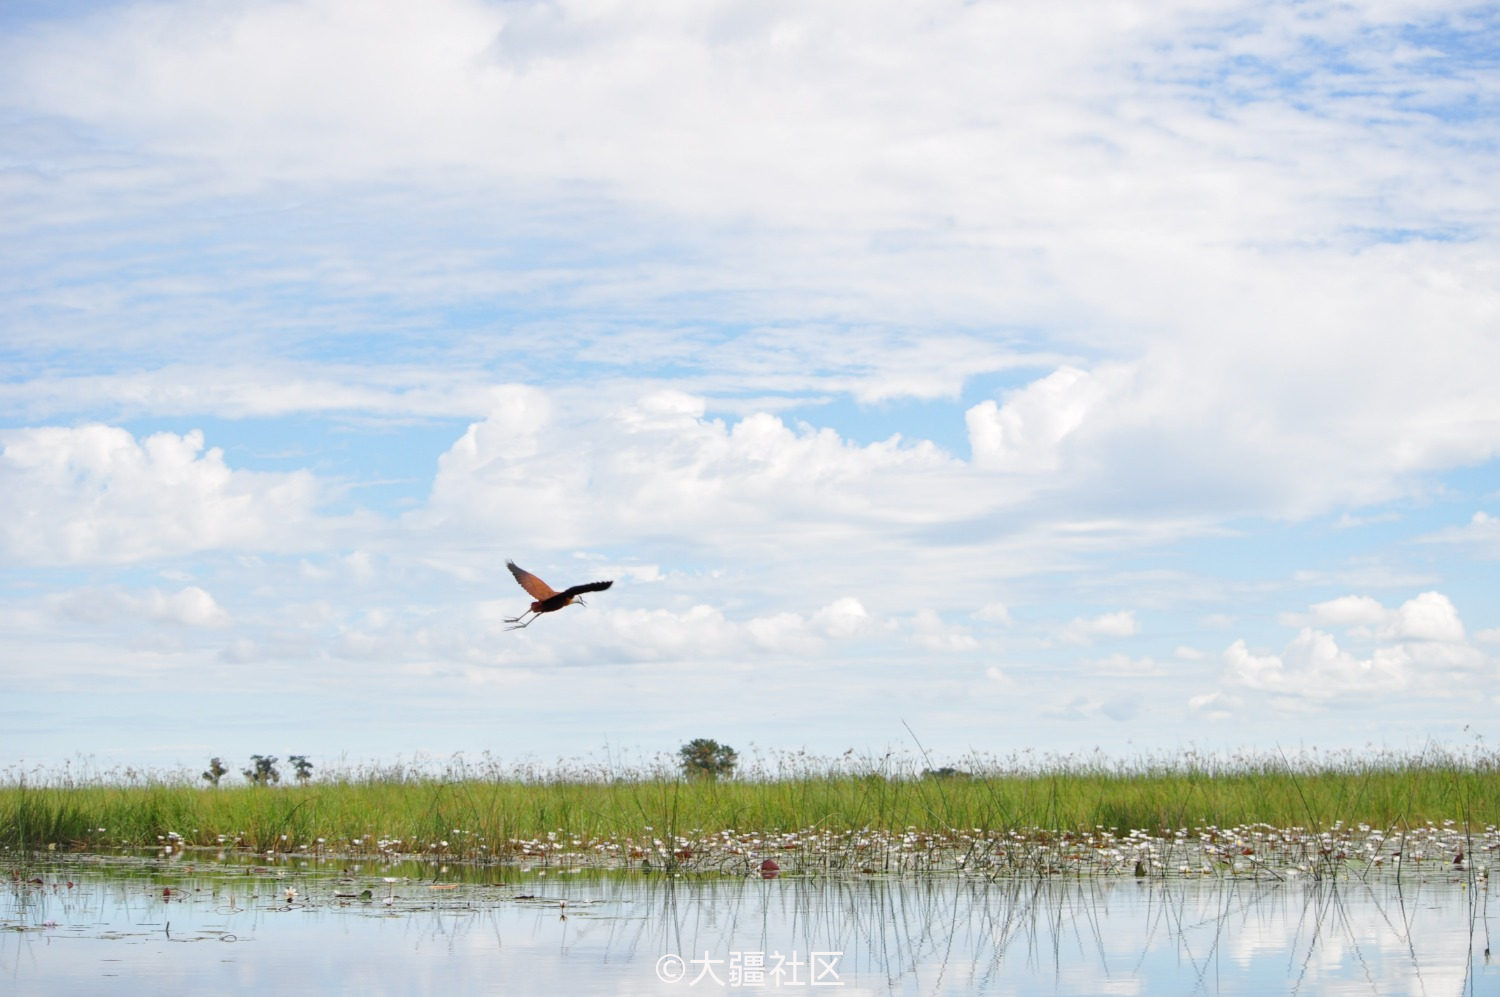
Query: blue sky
{"type": "Point", "coordinates": [1008, 376]}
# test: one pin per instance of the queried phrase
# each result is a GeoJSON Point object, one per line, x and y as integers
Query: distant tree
{"type": "Point", "coordinates": [302, 765]}
{"type": "Point", "coordinates": [216, 771]}
{"type": "Point", "coordinates": [264, 773]}
{"type": "Point", "coordinates": [703, 758]}
{"type": "Point", "coordinates": [946, 772]}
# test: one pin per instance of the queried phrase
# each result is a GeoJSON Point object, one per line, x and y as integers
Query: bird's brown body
{"type": "Point", "coordinates": [547, 600]}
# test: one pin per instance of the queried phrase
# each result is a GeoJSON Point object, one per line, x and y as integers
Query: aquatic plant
{"type": "Point", "coordinates": [1186, 815]}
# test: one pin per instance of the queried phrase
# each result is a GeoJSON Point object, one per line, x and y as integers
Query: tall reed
{"type": "Point", "coordinates": [495, 812]}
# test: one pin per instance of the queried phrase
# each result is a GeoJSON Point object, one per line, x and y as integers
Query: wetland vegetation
{"type": "Point", "coordinates": [1272, 815]}
{"type": "Point", "coordinates": [1320, 874]}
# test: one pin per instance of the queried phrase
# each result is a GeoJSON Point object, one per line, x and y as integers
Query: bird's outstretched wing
{"type": "Point", "coordinates": [587, 587]}
{"type": "Point", "coordinates": [539, 590]}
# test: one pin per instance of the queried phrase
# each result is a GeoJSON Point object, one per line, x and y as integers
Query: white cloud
{"type": "Point", "coordinates": [787, 632]}
{"type": "Point", "coordinates": [1418, 647]}
{"type": "Point", "coordinates": [187, 607]}
{"type": "Point", "coordinates": [1120, 623]}
{"type": "Point", "coordinates": [269, 388]}
{"type": "Point", "coordinates": [1168, 291]}
{"type": "Point", "coordinates": [994, 612]}
{"type": "Point", "coordinates": [998, 676]}
{"type": "Point", "coordinates": [1025, 434]}
{"type": "Point", "coordinates": [1480, 535]}
{"type": "Point", "coordinates": [512, 429]}
{"type": "Point", "coordinates": [191, 607]}
{"type": "Point", "coordinates": [658, 467]}
{"type": "Point", "coordinates": [1429, 616]}
{"type": "Point", "coordinates": [843, 618]}
{"type": "Point", "coordinates": [699, 108]}
{"type": "Point", "coordinates": [705, 632]}
{"type": "Point", "coordinates": [96, 494]}
{"type": "Point", "coordinates": [929, 630]}
{"type": "Point", "coordinates": [1194, 296]}
{"type": "Point", "coordinates": [1257, 671]}
{"type": "Point", "coordinates": [1349, 611]}
{"type": "Point", "coordinates": [1213, 706]}
{"type": "Point", "coordinates": [1216, 421]}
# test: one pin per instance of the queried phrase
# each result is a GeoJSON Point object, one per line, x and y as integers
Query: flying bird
{"type": "Point", "coordinates": [548, 601]}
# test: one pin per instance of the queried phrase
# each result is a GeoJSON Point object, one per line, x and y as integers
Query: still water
{"type": "Point", "coordinates": [132, 926]}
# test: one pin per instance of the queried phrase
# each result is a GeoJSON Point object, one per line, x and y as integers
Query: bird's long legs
{"type": "Point", "coordinates": [519, 625]}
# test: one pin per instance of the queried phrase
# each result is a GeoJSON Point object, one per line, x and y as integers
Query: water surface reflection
{"type": "Point", "coordinates": [134, 926]}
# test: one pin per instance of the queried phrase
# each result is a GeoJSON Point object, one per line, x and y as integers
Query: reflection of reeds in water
{"type": "Point", "coordinates": [956, 932]}
{"type": "Point", "coordinates": [975, 934]}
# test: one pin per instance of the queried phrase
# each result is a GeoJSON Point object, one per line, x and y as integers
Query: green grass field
{"type": "Point", "coordinates": [492, 815]}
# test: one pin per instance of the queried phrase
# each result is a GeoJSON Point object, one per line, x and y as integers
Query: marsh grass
{"type": "Point", "coordinates": [881, 814]}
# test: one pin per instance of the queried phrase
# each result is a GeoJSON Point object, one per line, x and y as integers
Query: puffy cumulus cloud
{"type": "Point", "coordinates": [1313, 665]}
{"type": "Point", "coordinates": [1120, 623]}
{"type": "Point", "coordinates": [1249, 422]}
{"type": "Point", "coordinates": [1419, 647]}
{"type": "Point", "coordinates": [843, 618]}
{"type": "Point", "coordinates": [95, 493]}
{"type": "Point", "coordinates": [512, 430]}
{"type": "Point", "coordinates": [1243, 667]}
{"type": "Point", "coordinates": [1028, 432]}
{"type": "Point", "coordinates": [1430, 616]}
{"type": "Point", "coordinates": [191, 607]}
{"type": "Point", "coordinates": [1347, 611]}
{"type": "Point", "coordinates": [582, 476]}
